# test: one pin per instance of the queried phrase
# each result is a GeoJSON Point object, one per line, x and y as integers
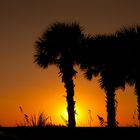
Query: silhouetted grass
{"type": "Point", "coordinates": [64, 120]}
{"type": "Point", "coordinates": [34, 120]}
{"type": "Point", "coordinates": [101, 120]}
{"type": "Point", "coordinates": [39, 127]}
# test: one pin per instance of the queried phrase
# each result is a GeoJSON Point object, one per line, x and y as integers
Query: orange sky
{"type": "Point", "coordinates": [22, 83]}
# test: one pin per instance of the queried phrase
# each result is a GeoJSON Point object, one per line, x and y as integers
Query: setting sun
{"type": "Point", "coordinates": [78, 115]}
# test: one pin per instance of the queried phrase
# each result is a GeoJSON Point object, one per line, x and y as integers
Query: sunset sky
{"type": "Point", "coordinates": [23, 83]}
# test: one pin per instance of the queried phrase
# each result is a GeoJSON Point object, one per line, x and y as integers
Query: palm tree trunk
{"type": "Point", "coordinates": [70, 101]}
{"type": "Point", "coordinates": [111, 112]}
{"type": "Point", "coordinates": [67, 72]}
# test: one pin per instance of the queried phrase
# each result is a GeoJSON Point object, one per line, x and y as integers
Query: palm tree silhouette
{"type": "Point", "coordinates": [111, 79]}
{"type": "Point", "coordinates": [112, 75]}
{"type": "Point", "coordinates": [102, 60]}
{"type": "Point", "coordinates": [59, 45]}
{"type": "Point", "coordinates": [130, 38]}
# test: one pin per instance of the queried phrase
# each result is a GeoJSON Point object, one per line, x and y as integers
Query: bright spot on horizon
{"type": "Point", "coordinates": [78, 116]}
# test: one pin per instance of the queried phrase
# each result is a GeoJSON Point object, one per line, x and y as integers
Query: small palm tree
{"type": "Point", "coordinates": [59, 45]}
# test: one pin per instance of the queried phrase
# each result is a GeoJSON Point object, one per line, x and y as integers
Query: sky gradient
{"type": "Point", "coordinates": [23, 83]}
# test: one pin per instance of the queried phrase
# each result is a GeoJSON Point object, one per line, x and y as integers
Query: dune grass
{"type": "Point", "coordinates": [34, 120]}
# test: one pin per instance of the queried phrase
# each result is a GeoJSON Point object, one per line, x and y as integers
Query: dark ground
{"type": "Point", "coordinates": [56, 133]}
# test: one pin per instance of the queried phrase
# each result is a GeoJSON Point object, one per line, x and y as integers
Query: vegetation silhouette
{"type": "Point", "coordinates": [113, 57]}
{"type": "Point", "coordinates": [129, 38]}
{"type": "Point", "coordinates": [41, 120]}
{"type": "Point", "coordinates": [60, 45]}
{"type": "Point", "coordinates": [102, 122]}
{"type": "Point", "coordinates": [101, 60]}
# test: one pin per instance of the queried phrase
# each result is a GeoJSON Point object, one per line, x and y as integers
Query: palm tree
{"type": "Point", "coordinates": [112, 75]}
{"type": "Point", "coordinates": [111, 79]}
{"type": "Point", "coordinates": [102, 60]}
{"type": "Point", "coordinates": [130, 38]}
{"type": "Point", "coordinates": [59, 45]}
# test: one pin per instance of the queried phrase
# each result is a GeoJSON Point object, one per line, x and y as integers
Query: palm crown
{"type": "Point", "coordinates": [59, 41]}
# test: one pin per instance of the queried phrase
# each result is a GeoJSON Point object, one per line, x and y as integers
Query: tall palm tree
{"type": "Point", "coordinates": [112, 75]}
{"type": "Point", "coordinates": [102, 60]}
{"type": "Point", "coordinates": [59, 45]}
{"type": "Point", "coordinates": [130, 38]}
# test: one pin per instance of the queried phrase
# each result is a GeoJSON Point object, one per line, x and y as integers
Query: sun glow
{"type": "Point", "coordinates": [78, 115]}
